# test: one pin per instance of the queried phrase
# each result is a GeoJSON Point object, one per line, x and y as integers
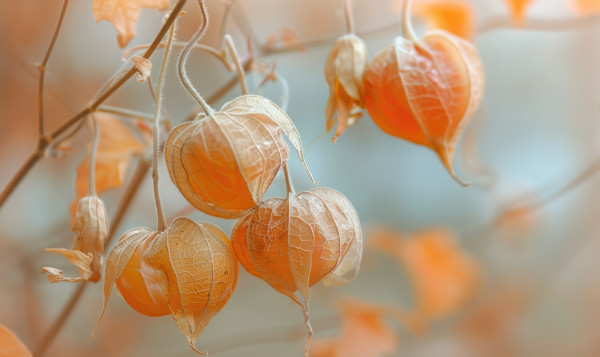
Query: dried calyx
{"type": "Point", "coordinates": [188, 270]}
{"type": "Point", "coordinates": [224, 162]}
{"type": "Point", "coordinates": [91, 228]}
{"type": "Point", "coordinates": [294, 243]}
{"type": "Point", "coordinates": [344, 68]}
{"type": "Point", "coordinates": [425, 90]}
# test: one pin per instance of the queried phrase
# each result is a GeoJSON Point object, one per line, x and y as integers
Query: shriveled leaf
{"type": "Point", "coordinates": [200, 271]}
{"type": "Point", "coordinates": [257, 105]}
{"type": "Point", "coordinates": [56, 275]}
{"type": "Point", "coordinates": [117, 260]}
{"type": "Point", "coordinates": [80, 259]}
{"type": "Point", "coordinates": [364, 333]}
{"type": "Point", "coordinates": [143, 66]}
{"type": "Point", "coordinates": [444, 277]}
{"type": "Point", "coordinates": [454, 16]}
{"type": "Point", "coordinates": [518, 9]}
{"type": "Point", "coordinates": [117, 144]}
{"type": "Point", "coordinates": [124, 14]}
{"type": "Point", "coordinates": [344, 70]}
{"type": "Point", "coordinates": [11, 345]}
{"type": "Point", "coordinates": [470, 159]}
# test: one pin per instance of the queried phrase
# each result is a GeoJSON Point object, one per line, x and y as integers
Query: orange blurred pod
{"type": "Point", "coordinates": [189, 271]}
{"type": "Point", "coordinates": [425, 90]}
{"type": "Point", "coordinates": [224, 162]}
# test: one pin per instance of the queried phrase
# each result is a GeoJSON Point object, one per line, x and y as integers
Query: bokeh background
{"type": "Point", "coordinates": [537, 129]}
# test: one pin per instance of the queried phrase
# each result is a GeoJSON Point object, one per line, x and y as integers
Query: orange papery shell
{"type": "Point", "coordinates": [223, 163]}
{"type": "Point", "coordinates": [189, 270]}
{"type": "Point", "coordinates": [427, 92]}
{"type": "Point", "coordinates": [294, 243]}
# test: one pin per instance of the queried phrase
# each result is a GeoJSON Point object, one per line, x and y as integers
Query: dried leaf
{"type": "Point", "coordinates": [364, 333]}
{"type": "Point", "coordinates": [443, 276]}
{"type": "Point", "coordinates": [57, 275]}
{"type": "Point", "coordinates": [224, 163]}
{"type": "Point", "coordinates": [80, 259]}
{"type": "Point", "coordinates": [117, 143]}
{"type": "Point", "coordinates": [518, 9]}
{"type": "Point", "coordinates": [200, 269]}
{"type": "Point", "coordinates": [454, 16]}
{"type": "Point", "coordinates": [294, 243]}
{"type": "Point", "coordinates": [124, 14]}
{"type": "Point", "coordinates": [344, 70]}
{"type": "Point", "coordinates": [426, 93]}
{"type": "Point", "coordinates": [11, 345]}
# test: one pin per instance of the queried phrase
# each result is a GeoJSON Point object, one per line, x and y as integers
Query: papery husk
{"type": "Point", "coordinates": [200, 270]}
{"type": "Point", "coordinates": [344, 68]}
{"type": "Point", "coordinates": [224, 163]}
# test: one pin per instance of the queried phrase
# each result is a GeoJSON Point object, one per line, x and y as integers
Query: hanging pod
{"type": "Point", "coordinates": [294, 243]}
{"type": "Point", "coordinates": [224, 162]}
{"type": "Point", "coordinates": [425, 90]}
{"type": "Point", "coordinates": [189, 271]}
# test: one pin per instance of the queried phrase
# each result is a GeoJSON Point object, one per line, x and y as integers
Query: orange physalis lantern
{"type": "Point", "coordinates": [425, 89]}
{"type": "Point", "coordinates": [225, 161]}
{"type": "Point", "coordinates": [189, 271]}
{"type": "Point", "coordinates": [294, 243]}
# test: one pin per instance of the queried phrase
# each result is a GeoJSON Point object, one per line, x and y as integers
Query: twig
{"type": "Point", "coordinates": [42, 68]}
{"type": "Point", "coordinates": [45, 141]}
{"type": "Point", "coordinates": [538, 24]}
{"type": "Point", "coordinates": [224, 19]}
{"type": "Point", "coordinates": [125, 112]}
{"type": "Point", "coordinates": [288, 181]}
{"type": "Point", "coordinates": [218, 54]}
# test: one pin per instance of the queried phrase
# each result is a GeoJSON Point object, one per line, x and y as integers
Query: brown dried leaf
{"type": "Point", "coordinates": [117, 260]}
{"type": "Point", "coordinates": [344, 68]}
{"type": "Point", "coordinates": [200, 270]}
{"type": "Point", "coordinates": [11, 345]}
{"type": "Point", "coordinates": [124, 14]}
{"type": "Point", "coordinates": [57, 275]}
{"type": "Point", "coordinates": [117, 143]}
{"type": "Point", "coordinates": [91, 229]}
{"type": "Point", "coordinates": [80, 259]}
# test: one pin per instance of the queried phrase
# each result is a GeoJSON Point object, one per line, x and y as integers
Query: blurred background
{"type": "Point", "coordinates": [532, 283]}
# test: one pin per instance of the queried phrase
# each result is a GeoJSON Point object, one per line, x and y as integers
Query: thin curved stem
{"type": "Point", "coordinates": [238, 63]}
{"type": "Point", "coordinates": [93, 152]}
{"type": "Point", "coordinates": [349, 16]}
{"type": "Point", "coordinates": [42, 68]}
{"type": "Point", "coordinates": [161, 221]}
{"type": "Point", "coordinates": [407, 28]}
{"type": "Point", "coordinates": [288, 181]}
{"type": "Point", "coordinates": [134, 114]}
{"type": "Point", "coordinates": [183, 76]}
{"type": "Point", "coordinates": [44, 141]}
{"type": "Point", "coordinates": [224, 19]}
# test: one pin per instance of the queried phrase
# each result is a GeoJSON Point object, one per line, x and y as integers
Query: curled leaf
{"type": "Point", "coordinates": [344, 70]}
{"type": "Point", "coordinates": [11, 345]}
{"type": "Point", "coordinates": [426, 93]}
{"type": "Point", "coordinates": [56, 275]}
{"type": "Point", "coordinates": [124, 14]}
{"type": "Point", "coordinates": [224, 163]}
{"type": "Point", "coordinates": [143, 66]}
